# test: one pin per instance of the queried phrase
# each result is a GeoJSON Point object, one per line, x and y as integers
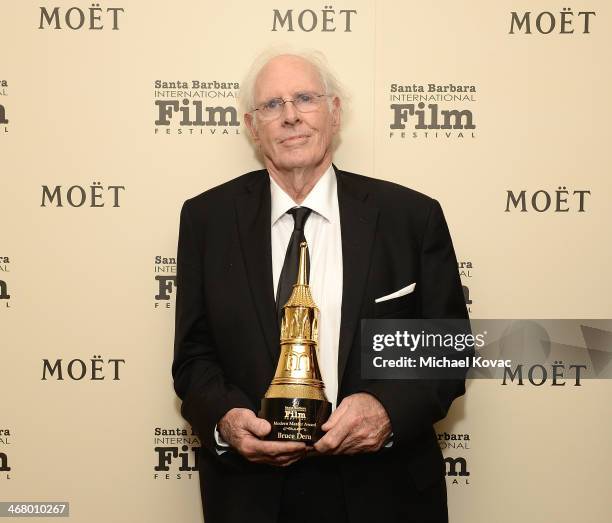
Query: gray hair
{"type": "Point", "coordinates": [246, 98]}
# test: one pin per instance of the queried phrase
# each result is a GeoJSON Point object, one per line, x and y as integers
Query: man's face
{"type": "Point", "coordinates": [294, 139]}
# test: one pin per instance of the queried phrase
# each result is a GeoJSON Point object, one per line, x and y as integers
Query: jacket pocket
{"type": "Point", "coordinates": [396, 307]}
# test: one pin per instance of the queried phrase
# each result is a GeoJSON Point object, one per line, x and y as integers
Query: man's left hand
{"type": "Point", "coordinates": [359, 424]}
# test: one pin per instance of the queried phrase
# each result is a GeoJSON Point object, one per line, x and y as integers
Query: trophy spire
{"type": "Point", "coordinates": [295, 402]}
{"type": "Point", "coordinates": [300, 319]}
{"type": "Point", "coordinates": [302, 267]}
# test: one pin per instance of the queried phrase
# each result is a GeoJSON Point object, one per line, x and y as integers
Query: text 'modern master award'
{"type": "Point", "coordinates": [295, 403]}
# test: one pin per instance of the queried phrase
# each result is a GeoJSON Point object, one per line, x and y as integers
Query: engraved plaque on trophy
{"type": "Point", "coordinates": [295, 403]}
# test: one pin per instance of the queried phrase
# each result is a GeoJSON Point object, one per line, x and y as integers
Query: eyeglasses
{"type": "Point", "coordinates": [304, 102]}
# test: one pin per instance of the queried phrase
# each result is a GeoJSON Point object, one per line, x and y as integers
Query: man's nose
{"type": "Point", "coordinates": [291, 115]}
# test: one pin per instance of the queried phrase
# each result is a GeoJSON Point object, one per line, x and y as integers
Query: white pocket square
{"type": "Point", "coordinates": [397, 294]}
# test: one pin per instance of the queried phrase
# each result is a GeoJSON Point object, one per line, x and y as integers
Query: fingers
{"type": "Point", "coordinates": [257, 426]}
{"type": "Point", "coordinates": [233, 425]}
{"type": "Point", "coordinates": [335, 416]}
{"type": "Point", "coordinates": [253, 448]}
{"type": "Point", "coordinates": [359, 424]}
{"type": "Point", "coordinates": [272, 452]}
{"type": "Point", "coordinates": [244, 430]}
{"type": "Point", "coordinates": [331, 442]}
{"type": "Point", "coordinates": [276, 448]}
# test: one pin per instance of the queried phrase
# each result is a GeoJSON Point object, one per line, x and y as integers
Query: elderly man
{"type": "Point", "coordinates": [378, 459]}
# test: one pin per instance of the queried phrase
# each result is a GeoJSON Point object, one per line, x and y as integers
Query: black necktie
{"type": "Point", "coordinates": [288, 275]}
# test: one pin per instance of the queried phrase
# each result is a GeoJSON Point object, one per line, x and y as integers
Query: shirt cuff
{"type": "Point", "coordinates": [221, 446]}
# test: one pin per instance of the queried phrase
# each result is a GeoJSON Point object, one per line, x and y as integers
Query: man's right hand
{"type": "Point", "coordinates": [242, 430]}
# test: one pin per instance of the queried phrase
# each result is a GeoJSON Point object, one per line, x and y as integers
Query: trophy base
{"type": "Point", "coordinates": [295, 419]}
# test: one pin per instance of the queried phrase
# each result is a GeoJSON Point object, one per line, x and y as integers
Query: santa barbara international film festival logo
{"type": "Point", "coordinates": [5, 297]}
{"type": "Point", "coordinates": [3, 111]}
{"type": "Point", "coordinates": [176, 453]}
{"type": "Point", "coordinates": [196, 107]}
{"type": "Point", "coordinates": [5, 443]}
{"type": "Point", "coordinates": [164, 270]}
{"type": "Point", "coordinates": [466, 271]}
{"type": "Point", "coordinates": [431, 111]}
{"type": "Point", "coordinates": [454, 447]}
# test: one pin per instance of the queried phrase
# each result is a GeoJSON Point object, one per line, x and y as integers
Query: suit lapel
{"type": "Point", "coordinates": [253, 212]}
{"type": "Point", "coordinates": [358, 223]}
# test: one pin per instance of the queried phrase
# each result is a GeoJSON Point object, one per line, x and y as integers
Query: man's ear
{"type": "Point", "coordinates": [249, 121]}
{"type": "Point", "coordinates": [335, 113]}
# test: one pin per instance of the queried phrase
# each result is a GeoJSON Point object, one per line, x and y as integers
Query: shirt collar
{"type": "Point", "coordinates": [320, 199]}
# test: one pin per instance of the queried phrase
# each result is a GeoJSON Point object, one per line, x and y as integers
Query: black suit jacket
{"type": "Point", "coordinates": [227, 339]}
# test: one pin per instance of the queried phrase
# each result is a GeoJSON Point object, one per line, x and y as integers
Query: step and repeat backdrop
{"type": "Point", "coordinates": [113, 113]}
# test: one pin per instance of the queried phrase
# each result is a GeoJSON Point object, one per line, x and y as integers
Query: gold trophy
{"type": "Point", "coordinates": [295, 403]}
